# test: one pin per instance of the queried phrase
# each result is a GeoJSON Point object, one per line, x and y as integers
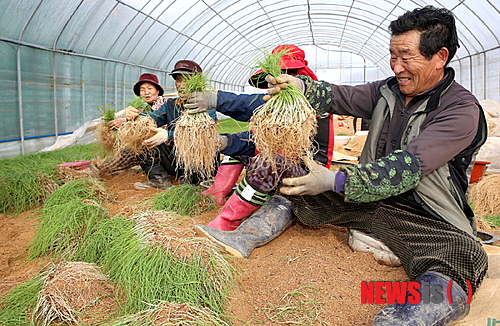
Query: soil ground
{"type": "Point", "coordinates": [306, 276]}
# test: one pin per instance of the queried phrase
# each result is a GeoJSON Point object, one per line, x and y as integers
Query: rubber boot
{"type": "Point", "coordinates": [428, 313]}
{"type": "Point", "coordinates": [232, 212]}
{"type": "Point", "coordinates": [224, 181]}
{"type": "Point", "coordinates": [361, 241]}
{"type": "Point", "coordinates": [157, 176]}
{"type": "Point", "coordinates": [259, 229]}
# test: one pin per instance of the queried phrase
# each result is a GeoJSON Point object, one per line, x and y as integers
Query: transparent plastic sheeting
{"type": "Point", "coordinates": [63, 61]}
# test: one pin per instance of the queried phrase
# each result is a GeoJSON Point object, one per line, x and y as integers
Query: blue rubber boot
{"type": "Point", "coordinates": [427, 314]}
{"type": "Point", "coordinates": [264, 225]}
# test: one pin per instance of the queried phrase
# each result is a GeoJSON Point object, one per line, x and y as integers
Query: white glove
{"type": "Point", "coordinates": [201, 101]}
{"type": "Point", "coordinates": [160, 137]}
{"type": "Point", "coordinates": [319, 179]}
{"type": "Point", "coordinates": [131, 113]}
{"type": "Point", "coordinates": [276, 84]}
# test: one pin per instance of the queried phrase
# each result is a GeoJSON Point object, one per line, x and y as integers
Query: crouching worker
{"type": "Point", "coordinates": [159, 161]}
{"type": "Point", "coordinates": [260, 181]}
{"type": "Point", "coordinates": [410, 187]}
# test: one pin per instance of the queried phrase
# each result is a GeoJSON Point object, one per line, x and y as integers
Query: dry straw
{"type": "Point", "coordinates": [196, 136]}
{"type": "Point", "coordinates": [132, 133]}
{"type": "Point", "coordinates": [485, 196]}
{"type": "Point", "coordinates": [75, 292]}
{"type": "Point", "coordinates": [107, 136]}
{"type": "Point", "coordinates": [286, 124]}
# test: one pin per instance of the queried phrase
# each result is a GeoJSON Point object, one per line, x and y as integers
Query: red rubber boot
{"type": "Point", "coordinates": [232, 213]}
{"type": "Point", "coordinates": [224, 181]}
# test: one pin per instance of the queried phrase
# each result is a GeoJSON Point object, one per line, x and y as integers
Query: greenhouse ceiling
{"type": "Point", "coordinates": [62, 61]}
{"type": "Point", "coordinates": [225, 36]}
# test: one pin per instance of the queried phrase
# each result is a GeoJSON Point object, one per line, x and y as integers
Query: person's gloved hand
{"type": "Point", "coordinates": [276, 84]}
{"type": "Point", "coordinates": [131, 113]}
{"type": "Point", "coordinates": [222, 143]}
{"type": "Point", "coordinates": [160, 137]}
{"type": "Point", "coordinates": [201, 101]}
{"type": "Point", "coordinates": [319, 179]}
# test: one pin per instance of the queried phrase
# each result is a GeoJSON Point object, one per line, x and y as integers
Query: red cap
{"type": "Point", "coordinates": [150, 78]}
{"type": "Point", "coordinates": [186, 67]}
{"type": "Point", "coordinates": [294, 59]}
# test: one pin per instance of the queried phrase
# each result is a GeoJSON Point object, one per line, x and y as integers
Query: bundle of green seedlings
{"type": "Point", "coordinates": [185, 199]}
{"type": "Point", "coordinates": [286, 124]}
{"type": "Point", "coordinates": [147, 272]}
{"type": "Point", "coordinates": [18, 303]}
{"type": "Point", "coordinates": [196, 136]}
{"type": "Point", "coordinates": [131, 134]}
{"type": "Point", "coordinates": [68, 218]}
{"type": "Point", "coordinates": [27, 180]}
{"type": "Point", "coordinates": [108, 137]}
{"type": "Point", "coordinates": [75, 227]}
{"type": "Point", "coordinates": [75, 293]}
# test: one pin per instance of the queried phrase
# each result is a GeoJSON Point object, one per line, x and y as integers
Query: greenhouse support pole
{"type": "Point", "coordinates": [19, 85]}
{"type": "Point", "coordinates": [123, 86]}
{"type": "Point", "coordinates": [83, 90]}
{"type": "Point", "coordinates": [115, 86]}
{"type": "Point", "coordinates": [105, 74]}
{"type": "Point", "coordinates": [364, 70]}
{"type": "Point", "coordinates": [54, 94]}
{"type": "Point", "coordinates": [20, 99]}
{"type": "Point", "coordinates": [471, 75]}
{"type": "Point", "coordinates": [484, 77]}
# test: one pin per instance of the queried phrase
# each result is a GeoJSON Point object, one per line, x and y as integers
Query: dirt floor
{"type": "Point", "coordinates": [306, 276]}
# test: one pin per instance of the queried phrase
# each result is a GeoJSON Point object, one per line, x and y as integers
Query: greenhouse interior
{"type": "Point", "coordinates": [163, 163]}
{"type": "Point", "coordinates": [62, 61]}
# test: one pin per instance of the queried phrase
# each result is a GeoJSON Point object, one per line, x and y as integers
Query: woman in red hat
{"type": "Point", "coordinates": [159, 161]}
{"type": "Point", "coordinates": [252, 192]}
{"type": "Point", "coordinates": [150, 89]}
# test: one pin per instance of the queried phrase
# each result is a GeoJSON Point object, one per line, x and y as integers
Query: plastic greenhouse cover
{"type": "Point", "coordinates": [62, 61]}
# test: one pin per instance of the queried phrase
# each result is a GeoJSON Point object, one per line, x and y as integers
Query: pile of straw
{"type": "Point", "coordinates": [485, 195]}
{"type": "Point", "coordinates": [168, 313]}
{"type": "Point", "coordinates": [356, 143]}
{"type": "Point", "coordinates": [133, 133]}
{"type": "Point", "coordinates": [75, 292]}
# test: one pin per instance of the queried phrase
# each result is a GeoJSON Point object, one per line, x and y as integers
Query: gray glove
{"type": "Point", "coordinates": [222, 142]}
{"type": "Point", "coordinates": [201, 101]}
{"type": "Point", "coordinates": [319, 179]}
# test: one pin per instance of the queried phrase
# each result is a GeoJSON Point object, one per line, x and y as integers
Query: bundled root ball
{"type": "Point", "coordinates": [196, 144]}
{"type": "Point", "coordinates": [285, 125]}
{"type": "Point", "coordinates": [168, 313]}
{"type": "Point", "coordinates": [196, 136]}
{"type": "Point", "coordinates": [75, 292]}
{"type": "Point", "coordinates": [133, 133]}
{"type": "Point", "coordinates": [107, 136]}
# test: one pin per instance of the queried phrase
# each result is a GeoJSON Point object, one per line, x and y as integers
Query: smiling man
{"type": "Point", "coordinates": [410, 188]}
